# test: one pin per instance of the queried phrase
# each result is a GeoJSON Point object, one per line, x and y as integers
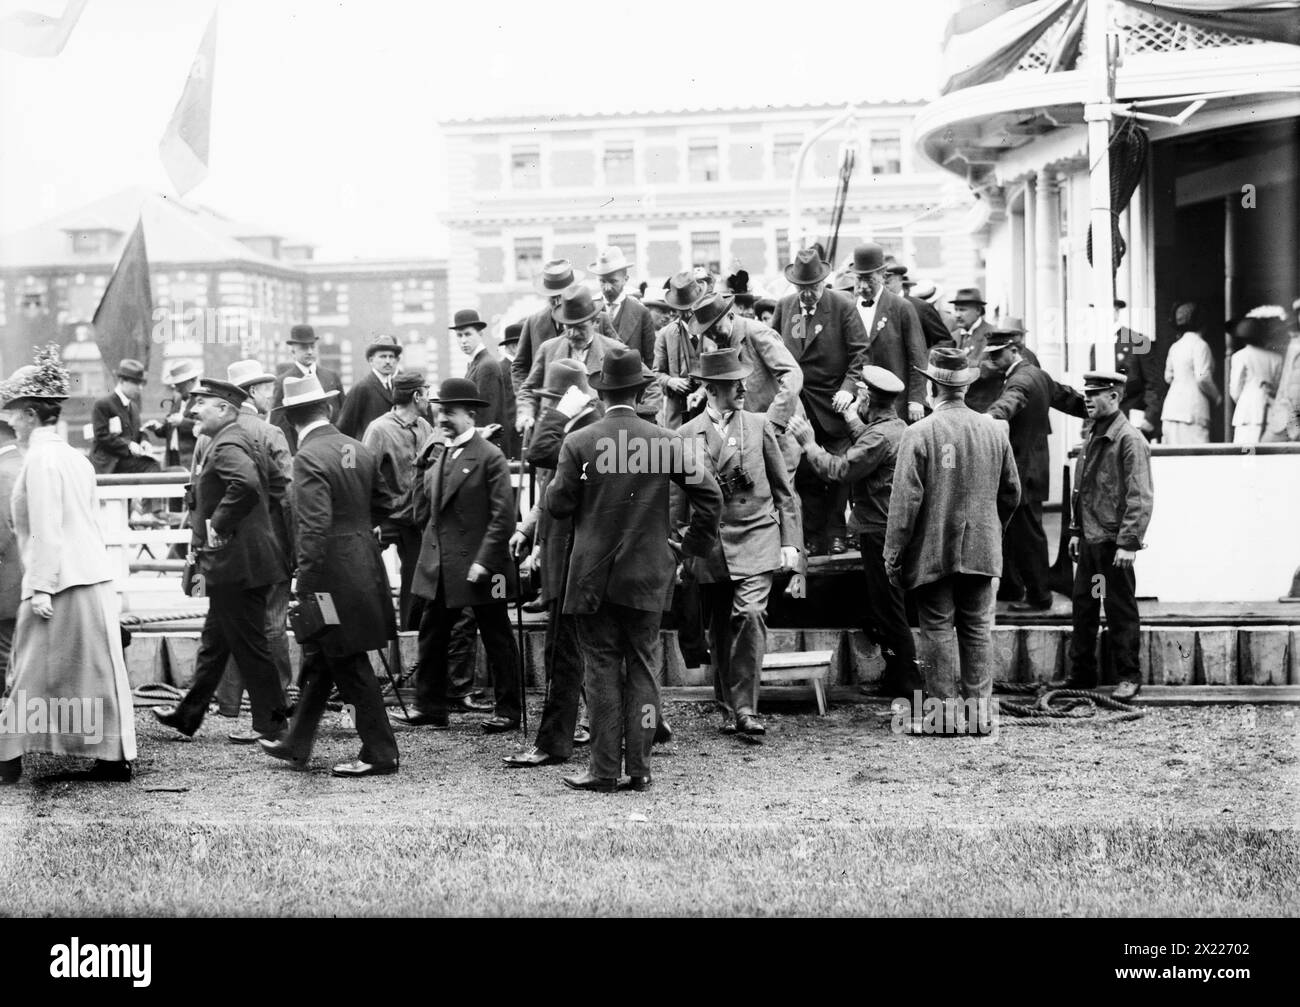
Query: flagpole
{"type": "Point", "coordinates": [1097, 114]}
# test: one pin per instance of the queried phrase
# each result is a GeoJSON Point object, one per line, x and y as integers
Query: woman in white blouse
{"type": "Point", "coordinates": [1255, 373]}
{"type": "Point", "coordinates": [1189, 372]}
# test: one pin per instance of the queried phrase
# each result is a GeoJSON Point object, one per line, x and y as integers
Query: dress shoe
{"type": "Point", "coordinates": [252, 737]}
{"type": "Point", "coordinates": [278, 750]}
{"type": "Point", "coordinates": [467, 704]}
{"type": "Point", "coordinates": [1126, 689]}
{"type": "Point", "coordinates": [531, 757]}
{"type": "Point", "coordinates": [110, 772]}
{"type": "Point", "coordinates": [499, 725]}
{"type": "Point", "coordinates": [638, 783]}
{"type": "Point", "coordinates": [838, 546]}
{"type": "Point", "coordinates": [418, 718]}
{"type": "Point", "coordinates": [11, 770]}
{"type": "Point", "coordinates": [533, 607]}
{"type": "Point", "coordinates": [585, 781]}
{"type": "Point", "coordinates": [663, 733]}
{"type": "Point", "coordinates": [582, 735]}
{"type": "Point", "coordinates": [358, 768]}
{"type": "Point", "coordinates": [169, 716]}
{"type": "Point", "coordinates": [747, 723]}
{"type": "Point", "coordinates": [1030, 606]}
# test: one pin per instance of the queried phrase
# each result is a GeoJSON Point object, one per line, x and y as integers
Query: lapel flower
{"type": "Point", "coordinates": [818, 330]}
{"type": "Point", "coordinates": [880, 325]}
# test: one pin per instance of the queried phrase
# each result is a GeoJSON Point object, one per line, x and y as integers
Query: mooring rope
{"type": "Point", "coordinates": [1064, 706]}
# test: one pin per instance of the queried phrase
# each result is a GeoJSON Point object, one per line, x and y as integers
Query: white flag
{"type": "Point", "coordinates": [31, 34]}
{"type": "Point", "coordinates": [184, 146]}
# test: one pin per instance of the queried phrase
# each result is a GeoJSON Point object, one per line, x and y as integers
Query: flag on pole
{"type": "Point", "coordinates": [184, 146]}
{"type": "Point", "coordinates": [123, 321]}
{"type": "Point", "coordinates": [29, 33]}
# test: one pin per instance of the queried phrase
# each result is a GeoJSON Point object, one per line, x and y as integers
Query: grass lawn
{"type": "Point", "coordinates": [1190, 811]}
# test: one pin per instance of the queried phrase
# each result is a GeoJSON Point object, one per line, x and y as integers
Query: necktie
{"type": "Point", "coordinates": [868, 302]}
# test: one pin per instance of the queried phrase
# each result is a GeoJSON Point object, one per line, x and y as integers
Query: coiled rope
{"type": "Point", "coordinates": [1063, 706]}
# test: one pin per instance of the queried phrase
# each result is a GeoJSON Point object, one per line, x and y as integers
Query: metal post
{"type": "Point", "coordinates": [1030, 270]}
{"type": "Point", "coordinates": [795, 231]}
{"type": "Point", "coordinates": [1097, 114]}
{"type": "Point", "coordinates": [1229, 302]}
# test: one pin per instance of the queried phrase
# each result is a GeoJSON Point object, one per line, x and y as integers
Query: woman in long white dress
{"type": "Point", "coordinates": [1189, 372]}
{"type": "Point", "coordinates": [1256, 370]}
{"type": "Point", "coordinates": [70, 693]}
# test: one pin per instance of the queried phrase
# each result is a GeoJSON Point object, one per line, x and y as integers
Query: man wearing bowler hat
{"type": "Point", "coordinates": [893, 331]}
{"type": "Point", "coordinates": [302, 344]}
{"type": "Point", "coordinates": [613, 479]}
{"type": "Point", "coordinates": [467, 509]}
{"type": "Point", "coordinates": [489, 377]}
{"type": "Point", "coordinates": [372, 396]}
{"type": "Point", "coordinates": [955, 487]}
{"type": "Point", "coordinates": [824, 333]}
{"type": "Point", "coordinates": [677, 352]}
{"type": "Point", "coordinates": [1111, 510]}
{"type": "Point", "coordinates": [556, 277]}
{"type": "Point", "coordinates": [629, 318]}
{"type": "Point", "coordinates": [115, 420]}
{"type": "Point", "coordinates": [759, 532]}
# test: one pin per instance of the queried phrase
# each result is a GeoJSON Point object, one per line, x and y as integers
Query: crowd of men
{"type": "Point", "coordinates": [850, 406]}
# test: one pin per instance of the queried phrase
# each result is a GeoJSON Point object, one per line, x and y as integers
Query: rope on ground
{"type": "Point", "coordinates": [156, 694]}
{"type": "Point", "coordinates": [1064, 706]}
{"type": "Point", "coordinates": [130, 619]}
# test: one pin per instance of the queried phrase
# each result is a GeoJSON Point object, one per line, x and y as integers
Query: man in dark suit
{"type": "Point", "coordinates": [302, 343]}
{"type": "Point", "coordinates": [467, 507]}
{"type": "Point", "coordinates": [894, 339]}
{"type": "Point", "coordinates": [677, 352]}
{"type": "Point", "coordinates": [177, 430]}
{"type": "Point", "coordinates": [1140, 358]}
{"type": "Point", "coordinates": [338, 498]}
{"type": "Point", "coordinates": [628, 316]}
{"type": "Point", "coordinates": [240, 557]}
{"type": "Point", "coordinates": [372, 396]}
{"type": "Point", "coordinates": [933, 328]}
{"type": "Point", "coordinates": [824, 333]}
{"type": "Point", "coordinates": [115, 420]}
{"type": "Point", "coordinates": [11, 559]}
{"type": "Point", "coordinates": [489, 377]}
{"type": "Point", "coordinates": [972, 331]}
{"type": "Point", "coordinates": [613, 479]}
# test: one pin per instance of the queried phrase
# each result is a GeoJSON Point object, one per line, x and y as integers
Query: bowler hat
{"type": "Point", "coordinates": [621, 369]}
{"type": "Point", "coordinates": [881, 379]}
{"type": "Point", "coordinates": [683, 291]}
{"type": "Point", "coordinates": [609, 260]}
{"type": "Point", "coordinates": [303, 335]}
{"type": "Point", "coordinates": [968, 295]}
{"type": "Point", "coordinates": [561, 375]}
{"type": "Point", "coordinates": [512, 333]}
{"type": "Point", "coordinates": [224, 390]}
{"type": "Point", "coordinates": [721, 365]}
{"type": "Point", "coordinates": [556, 277]}
{"type": "Point", "coordinates": [304, 391]}
{"type": "Point", "coordinates": [383, 342]}
{"type": "Point", "coordinates": [947, 366]}
{"type": "Point", "coordinates": [708, 310]}
{"type": "Point", "coordinates": [467, 318]}
{"type": "Point", "coordinates": [576, 307]}
{"type": "Point", "coordinates": [868, 257]}
{"type": "Point", "coordinates": [247, 373]}
{"type": "Point", "coordinates": [181, 371]}
{"type": "Point", "coordinates": [458, 392]}
{"type": "Point", "coordinates": [807, 268]}
{"type": "Point", "coordinates": [1103, 381]}
{"type": "Point", "coordinates": [898, 269]}
{"type": "Point", "coordinates": [130, 370]}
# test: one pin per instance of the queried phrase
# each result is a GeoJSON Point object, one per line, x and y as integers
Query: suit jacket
{"type": "Point", "coordinates": [329, 381]}
{"type": "Point", "coordinates": [367, 401]}
{"type": "Point", "coordinates": [232, 490]}
{"type": "Point", "coordinates": [985, 388]}
{"type": "Point", "coordinates": [115, 427]}
{"type": "Point", "coordinates": [756, 522]}
{"type": "Point", "coordinates": [559, 349]}
{"type": "Point", "coordinates": [831, 354]}
{"type": "Point", "coordinates": [620, 513]}
{"type": "Point", "coordinates": [1027, 395]}
{"type": "Point", "coordinates": [933, 327]}
{"type": "Point", "coordinates": [538, 328]}
{"type": "Point", "coordinates": [338, 499]}
{"type": "Point", "coordinates": [182, 435]}
{"type": "Point", "coordinates": [555, 535]}
{"type": "Point", "coordinates": [955, 488]}
{"type": "Point", "coordinates": [675, 357]}
{"type": "Point", "coordinates": [897, 344]}
{"type": "Point", "coordinates": [635, 327]}
{"type": "Point", "coordinates": [493, 384]}
{"type": "Point", "coordinates": [471, 504]}
{"type": "Point", "coordinates": [11, 560]}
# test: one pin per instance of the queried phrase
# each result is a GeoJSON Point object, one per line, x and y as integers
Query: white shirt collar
{"type": "Point", "coordinates": [1018, 362]}
{"type": "Point", "coordinates": [613, 306]}
{"type": "Point", "coordinates": [385, 381]}
{"type": "Point", "coordinates": [610, 409]}
{"type": "Point", "coordinates": [305, 370]}
{"type": "Point", "coordinates": [125, 400]}
{"type": "Point", "coordinates": [462, 439]}
{"type": "Point", "coordinates": [868, 315]}
{"type": "Point", "coordinates": [302, 434]}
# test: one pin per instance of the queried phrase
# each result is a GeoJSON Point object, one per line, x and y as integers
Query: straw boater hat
{"type": "Point", "coordinates": [383, 342]}
{"type": "Point", "coordinates": [458, 392]}
{"type": "Point", "coordinates": [47, 380]}
{"type": "Point", "coordinates": [211, 388]}
{"type": "Point", "coordinates": [556, 277]}
{"type": "Point", "coordinates": [609, 260]}
{"type": "Point", "coordinates": [304, 391]}
{"type": "Point", "coordinates": [721, 365]}
{"type": "Point", "coordinates": [947, 366]}
{"type": "Point", "coordinates": [181, 371]}
{"type": "Point", "coordinates": [247, 373]}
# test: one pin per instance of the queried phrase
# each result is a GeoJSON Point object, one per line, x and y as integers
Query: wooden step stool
{"type": "Point", "coordinates": [811, 666]}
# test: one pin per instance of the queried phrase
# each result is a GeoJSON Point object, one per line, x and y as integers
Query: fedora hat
{"type": "Point", "coordinates": [621, 368]}
{"type": "Point", "coordinates": [947, 366]}
{"type": "Point", "coordinates": [684, 290]}
{"type": "Point", "coordinates": [303, 335]}
{"type": "Point", "coordinates": [721, 365]}
{"type": "Point", "coordinates": [458, 392]}
{"type": "Point", "coordinates": [467, 318]}
{"type": "Point", "coordinates": [383, 342]}
{"type": "Point", "coordinates": [211, 388]}
{"type": "Point", "coordinates": [807, 268]}
{"type": "Point", "coordinates": [576, 307]}
{"type": "Point", "coordinates": [846, 282]}
{"type": "Point", "coordinates": [1012, 324]}
{"type": "Point", "coordinates": [609, 260]}
{"type": "Point", "coordinates": [247, 373]}
{"type": "Point", "coordinates": [556, 277]}
{"type": "Point", "coordinates": [304, 391]}
{"type": "Point", "coordinates": [868, 257]}
{"type": "Point", "coordinates": [181, 371]}
{"type": "Point", "coordinates": [708, 310]}
{"type": "Point", "coordinates": [561, 375]}
{"type": "Point", "coordinates": [131, 370]}
{"type": "Point", "coordinates": [968, 295]}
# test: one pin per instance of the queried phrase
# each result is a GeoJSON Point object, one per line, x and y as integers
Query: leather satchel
{"type": "Point", "coordinates": [311, 616]}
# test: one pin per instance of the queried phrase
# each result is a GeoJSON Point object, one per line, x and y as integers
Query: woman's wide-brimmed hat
{"type": "Point", "coordinates": [721, 365]}
{"type": "Point", "coordinates": [621, 369]}
{"type": "Point", "coordinates": [47, 380]}
{"type": "Point", "coordinates": [947, 366]}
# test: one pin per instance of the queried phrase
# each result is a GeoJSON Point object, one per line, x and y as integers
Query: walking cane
{"type": "Point", "coordinates": [519, 604]}
{"type": "Point", "coordinates": [388, 672]}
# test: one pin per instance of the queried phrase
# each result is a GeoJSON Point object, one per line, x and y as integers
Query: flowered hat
{"type": "Point", "coordinates": [47, 380]}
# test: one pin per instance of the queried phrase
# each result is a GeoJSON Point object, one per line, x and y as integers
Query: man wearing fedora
{"type": "Point", "coordinates": [759, 532]}
{"type": "Point", "coordinates": [677, 352]}
{"type": "Point", "coordinates": [239, 557]}
{"type": "Point", "coordinates": [1111, 510]}
{"type": "Point", "coordinates": [894, 336]}
{"type": "Point", "coordinates": [115, 420]}
{"type": "Point", "coordinates": [972, 332]}
{"type": "Point", "coordinates": [955, 487]}
{"type": "Point", "coordinates": [302, 344]}
{"type": "Point", "coordinates": [177, 430]}
{"type": "Point", "coordinates": [824, 333]}
{"type": "Point", "coordinates": [339, 497]}
{"type": "Point", "coordinates": [579, 318]}
{"type": "Point", "coordinates": [629, 318]}
{"type": "Point", "coordinates": [372, 396]}
{"type": "Point", "coordinates": [489, 377]}
{"type": "Point", "coordinates": [621, 567]}
{"type": "Point", "coordinates": [556, 277]}
{"type": "Point", "coordinates": [465, 559]}
{"type": "Point", "coordinates": [868, 468]}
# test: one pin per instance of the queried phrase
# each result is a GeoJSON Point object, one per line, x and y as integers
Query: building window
{"type": "Point", "coordinates": [528, 258]}
{"type": "Point", "coordinates": [784, 151]}
{"type": "Point", "coordinates": [928, 251]}
{"type": "Point", "coordinates": [702, 161]}
{"type": "Point", "coordinates": [328, 300]}
{"type": "Point", "coordinates": [625, 243]}
{"type": "Point", "coordinates": [886, 154]}
{"type": "Point", "coordinates": [706, 251]}
{"type": "Point", "coordinates": [782, 247]}
{"type": "Point", "coordinates": [33, 300]}
{"type": "Point", "coordinates": [620, 169]}
{"type": "Point", "coordinates": [525, 167]}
